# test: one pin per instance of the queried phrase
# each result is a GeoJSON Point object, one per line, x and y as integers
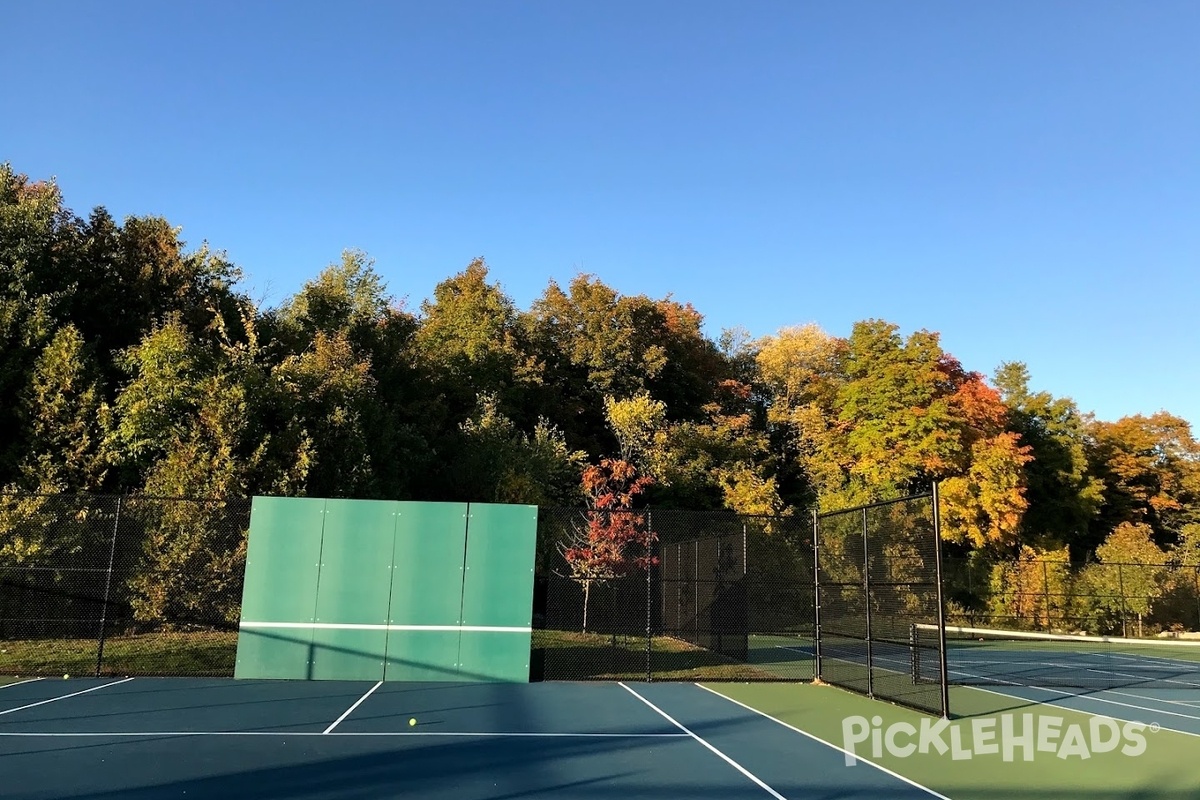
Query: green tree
{"type": "Point", "coordinates": [32, 220]}
{"type": "Point", "coordinates": [1064, 496]}
{"type": "Point", "coordinates": [348, 303]}
{"type": "Point", "coordinates": [66, 420]}
{"type": "Point", "coordinates": [1128, 579]}
{"type": "Point", "coordinates": [328, 393]}
{"type": "Point", "coordinates": [470, 337]}
{"type": "Point", "coordinates": [496, 462]}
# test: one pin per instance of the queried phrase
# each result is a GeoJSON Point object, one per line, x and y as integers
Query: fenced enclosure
{"type": "Point", "coordinates": [134, 585]}
{"type": "Point", "coordinates": [104, 585]}
{"type": "Point", "coordinates": [1057, 596]}
{"type": "Point", "coordinates": [878, 577]}
{"type": "Point", "coordinates": [710, 595]}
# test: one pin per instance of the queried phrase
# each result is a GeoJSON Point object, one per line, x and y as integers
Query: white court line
{"type": "Point", "coordinates": [793, 649]}
{"type": "Point", "coordinates": [1184, 703]}
{"type": "Point", "coordinates": [18, 683]}
{"type": "Point", "coordinates": [819, 740]}
{"type": "Point", "coordinates": [453, 734]}
{"type": "Point", "coordinates": [65, 696]}
{"type": "Point", "coordinates": [1080, 696]}
{"type": "Point", "coordinates": [714, 750]}
{"type": "Point", "coordinates": [1080, 710]}
{"type": "Point", "coordinates": [348, 711]}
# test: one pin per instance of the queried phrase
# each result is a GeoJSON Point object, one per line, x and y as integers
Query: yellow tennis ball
{"type": "Point", "coordinates": [65, 677]}
{"type": "Point", "coordinates": [412, 722]}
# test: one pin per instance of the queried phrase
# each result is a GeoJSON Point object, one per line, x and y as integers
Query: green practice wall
{"type": "Point", "coordinates": [387, 590]}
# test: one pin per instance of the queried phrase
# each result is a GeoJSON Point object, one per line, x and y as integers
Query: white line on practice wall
{"type": "Point", "coordinates": [356, 626]}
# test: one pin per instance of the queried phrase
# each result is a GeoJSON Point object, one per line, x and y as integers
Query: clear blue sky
{"type": "Point", "coordinates": [1023, 177]}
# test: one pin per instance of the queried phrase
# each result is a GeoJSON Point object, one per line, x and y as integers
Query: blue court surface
{"type": "Point", "coordinates": [144, 738]}
{"type": "Point", "coordinates": [1166, 709]}
{"type": "Point", "coordinates": [1153, 683]}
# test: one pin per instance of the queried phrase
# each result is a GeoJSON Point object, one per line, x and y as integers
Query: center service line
{"type": "Point", "coordinates": [715, 751]}
{"type": "Point", "coordinates": [65, 696]}
{"type": "Point", "coordinates": [349, 710]}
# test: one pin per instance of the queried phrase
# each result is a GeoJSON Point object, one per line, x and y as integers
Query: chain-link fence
{"type": "Point", "coordinates": [878, 569]}
{"type": "Point", "coordinates": [697, 595]}
{"type": "Point", "coordinates": [1055, 596]}
{"type": "Point", "coordinates": [132, 585]}
{"type": "Point", "coordinates": [113, 585]}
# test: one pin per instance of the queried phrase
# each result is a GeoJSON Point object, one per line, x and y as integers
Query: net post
{"type": "Point", "coordinates": [816, 542]}
{"type": "Point", "coordinates": [112, 551]}
{"type": "Point", "coordinates": [914, 650]}
{"type": "Point", "coordinates": [867, 599]}
{"type": "Point", "coordinates": [943, 666]}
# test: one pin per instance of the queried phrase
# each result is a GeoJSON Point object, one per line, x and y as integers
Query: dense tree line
{"type": "Point", "coordinates": [130, 363]}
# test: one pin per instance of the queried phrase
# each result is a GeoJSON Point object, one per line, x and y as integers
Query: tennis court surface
{"type": "Point", "coordinates": [196, 738]}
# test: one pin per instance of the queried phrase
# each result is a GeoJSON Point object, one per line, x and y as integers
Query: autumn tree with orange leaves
{"type": "Point", "coordinates": [615, 540]}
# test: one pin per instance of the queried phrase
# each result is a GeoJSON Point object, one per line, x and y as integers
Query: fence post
{"type": "Point", "coordinates": [816, 596]}
{"type": "Point", "coordinates": [1121, 589]}
{"type": "Point", "coordinates": [649, 566]}
{"type": "Point", "coordinates": [696, 592]}
{"type": "Point", "coordinates": [867, 593]}
{"type": "Point", "coordinates": [1046, 593]}
{"type": "Point", "coordinates": [1198, 598]}
{"type": "Point", "coordinates": [112, 551]}
{"type": "Point", "coordinates": [745, 553]}
{"type": "Point", "coordinates": [943, 666]}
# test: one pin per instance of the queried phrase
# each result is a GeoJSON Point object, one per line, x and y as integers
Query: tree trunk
{"type": "Point", "coordinates": [587, 589]}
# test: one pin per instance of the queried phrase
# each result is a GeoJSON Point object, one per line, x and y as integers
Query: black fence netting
{"type": "Point", "coordinates": [1054, 595]}
{"type": "Point", "coordinates": [108, 585]}
{"type": "Point", "coordinates": [878, 579]}
{"type": "Point", "coordinates": [698, 595]}
{"type": "Point", "coordinates": [133, 585]}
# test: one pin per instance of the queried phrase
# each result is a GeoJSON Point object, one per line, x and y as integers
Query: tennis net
{"type": "Point", "coordinates": [989, 657]}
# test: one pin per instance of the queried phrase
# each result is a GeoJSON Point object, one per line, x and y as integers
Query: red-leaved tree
{"type": "Point", "coordinates": [615, 539]}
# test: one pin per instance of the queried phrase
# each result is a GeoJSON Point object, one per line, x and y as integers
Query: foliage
{"type": "Point", "coordinates": [615, 539]}
{"type": "Point", "coordinates": [1063, 493]}
{"type": "Point", "coordinates": [132, 363]}
{"type": "Point", "coordinates": [1031, 591]}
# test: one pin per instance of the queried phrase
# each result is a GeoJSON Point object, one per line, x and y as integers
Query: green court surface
{"type": "Point", "coordinates": [1167, 769]}
{"type": "Point", "coordinates": [788, 656]}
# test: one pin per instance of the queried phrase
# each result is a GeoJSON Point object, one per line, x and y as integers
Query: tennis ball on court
{"type": "Point", "coordinates": [412, 722]}
{"type": "Point", "coordinates": [65, 677]}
